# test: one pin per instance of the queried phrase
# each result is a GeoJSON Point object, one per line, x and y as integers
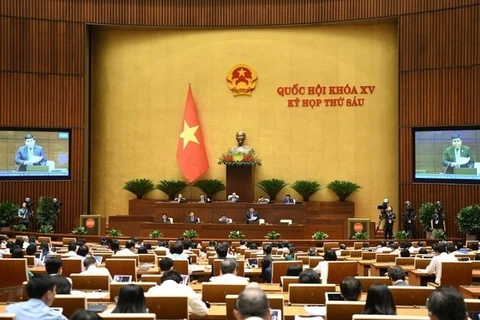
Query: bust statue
{"type": "Point", "coordinates": [241, 147]}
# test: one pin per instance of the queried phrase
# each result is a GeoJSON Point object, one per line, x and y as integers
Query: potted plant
{"type": "Point", "coordinates": [468, 220]}
{"type": "Point", "coordinates": [171, 187]}
{"type": "Point", "coordinates": [46, 228]}
{"type": "Point", "coordinates": [155, 234]}
{"type": "Point", "coordinates": [306, 188]}
{"type": "Point", "coordinates": [46, 212]}
{"type": "Point", "coordinates": [236, 235]}
{"type": "Point", "coordinates": [319, 235]}
{"type": "Point", "coordinates": [399, 235]}
{"type": "Point", "coordinates": [439, 235]}
{"type": "Point", "coordinates": [271, 187]}
{"type": "Point", "coordinates": [139, 187]}
{"type": "Point", "coordinates": [190, 234]}
{"type": "Point", "coordinates": [272, 235]}
{"type": "Point", "coordinates": [8, 213]}
{"type": "Point", "coordinates": [360, 235]}
{"type": "Point", "coordinates": [19, 228]}
{"type": "Point", "coordinates": [210, 186]}
{"type": "Point", "coordinates": [114, 233]}
{"type": "Point", "coordinates": [343, 189]}
{"type": "Point", "coordinates": [79, 230]}
{"type": "Point", "coordinates": [425, 212]}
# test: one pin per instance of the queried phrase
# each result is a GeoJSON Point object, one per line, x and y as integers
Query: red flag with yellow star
{"type": "Point", "coordinates": [191, 154]}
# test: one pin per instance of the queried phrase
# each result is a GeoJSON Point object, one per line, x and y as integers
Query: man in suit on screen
{"type": "Point", "coordinates": [452, 157]}
{"type": "Point", "coordinates": [30, 154]}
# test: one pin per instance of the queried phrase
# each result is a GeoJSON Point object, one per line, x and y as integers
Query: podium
{"type": "Point", "coordinates": [92, 223]}
{"type": "Point", "coordinates": [355, 225]}
{"type": "Point", "coordinates": [240, 180]}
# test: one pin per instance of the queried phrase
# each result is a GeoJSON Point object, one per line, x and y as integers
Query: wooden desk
{"type": "Point", "coordinates": [363, 266]}
{"type": "Point", "coordinates": [470, 291]}
{"type": "Point", "coordinates": [378, 269]}
{"type": "Point", "coordinates": [417, 278]}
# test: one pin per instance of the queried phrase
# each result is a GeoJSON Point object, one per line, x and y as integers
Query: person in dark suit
{"type": "Point", "coordinates": [165, 219]}
{"type": "Point", "coordinates": [453, 154]}
{"type": "Point", "coordinates": [397, 276]}
{"type": "Point", "coordinates": [26, 154]}
{"type": "Point", "coordinates": [251, 216]}
{"type": "Point", "coordinates": [191, 218]}
{"type": "Point", "coordinates": [288, 200]}
{"type": "Point", "coordinates": [180, 199]}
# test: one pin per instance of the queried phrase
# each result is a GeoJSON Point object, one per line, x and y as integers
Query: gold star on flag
{"type": "Point", "coordinates": [188, 134]}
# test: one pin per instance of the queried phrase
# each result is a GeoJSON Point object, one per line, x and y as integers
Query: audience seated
{"type": "Point", "coordinates": [228, 273]}
{"type": "Point", "coordinates": [405, 253]}
{"type": "Point", "coordinates": [31, 250]}
{"type": "Point", "coordinates": [267, 263]}
{"type": "Point", "coordinates": [397, 276]}
{"type": "Point", "coordinates": [308, 276]}
{"type": "Point", "coordinates": [291, 253]}
{"type": "Point", "coordinates": [90, 265]}
{"type": "Point", "coordinates": [435, 265]}
{"type": "Point", "coordinates": [62, 285]}
{"type": "Point", "coordinates": [351, 289]}
{"type": "Point", "coordinates": [72, 250]}
{"type": "Point", "coordinates": [85, 315]}
{"type": "Point", "coordinates": [379, 301]}
{"type": "Point", "coordinates": [446, 303]}
{"type": "Point", "coordinates": [130, 300]}
{"type": "Point", "coordinates": [294, 270]}
{"type": "Point", "coordinates": [252, 303]}
{"type": "Point", "coordinates": [165, 264]}
{"type": "Point", "coordinates": [322, 266]}
{"type": "Point", "coordinates": [129, 249]}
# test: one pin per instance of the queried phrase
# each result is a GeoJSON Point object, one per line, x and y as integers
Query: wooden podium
{"type": "Point", "coordinates": [92, 223]}
{"type": "Point", "coordinates": [240, 180]}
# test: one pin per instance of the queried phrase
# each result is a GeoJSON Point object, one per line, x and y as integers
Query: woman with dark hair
{"type": "Point", "coordinates": [379, 301]}
{"type": "Point", "coordinates": [85, 315]}
{"type": "Point", "coordinates": [130, 300]}
{"type": "Point", "coordinates": [291, 253]}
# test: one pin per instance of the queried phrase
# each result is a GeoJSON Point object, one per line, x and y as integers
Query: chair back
{"type": "Point", "coordinates": [30, 260]}
{"type": "Point", "coordinates": [168, 307]}
{"type": "Point", "coordinates": [404, 261]}
{"type": "Point", "coordinates": [128, 316]}
{"type": "Point", "coordinates": [456, 273]}
{"type": "Point", "coordinates": [308, 293]}
{"type": "Point", "coordinates": [367, 282]}
{"type": "Point", "coordinates": [115, 287]}
{"type": "Point", "coordinates": [356, 253]}
{"type": "Point", "coordinates": [385, 257]}
{"type": "Point", "coordinates": [118, 266]}
{"type": "Point", "coordinates": [368, 255]}
{"type": "Point", "coordinates": [330, 245]}
{"type": "Point", "coordinates": [343, 309]}
{"type": "Point", "coordinates": [147, 258]}
{"type": "Point", "coordinates": [472, 304]}
{"type": "Point", "coordinates": [127, 256]}
{"type": "Point", "coordinates": [279, 268]}
{"type": "Point", "coordinates": [410, 295]}
{"type": "Point", "coordinates": [383, 317]}
{"type": "Point", "coordinates": [157, 278]}
{"type": "Point", "coordinates": [69, 303]}
{"type": "Point", "coordinates": [90, 281]}
{"type": "Point", "coordinates": [421, 263]}
{"type": "Point", "coordinates": [303, 257]}
{"type": "Point", "coordinates": [357, 245]}
{"type": "Point", "coordinates": [181, 266]}
{"type": "Point", "coordinates": [476, 264]}
{"type": "Point", "coordinates": [17, 272]}
{"type": "Point", "coordinates": [66, 241]}
{"type": "Point", "coordinates": [104, 254]}
{"type": "Point", "coordinates": [314, 261]}
{"type": "Point", "coordinates": [339, 270]}
{"type": "Point", "coordinates": [45, 239]}
{"type": "Point", "coordinates": [216, 292]}
{"type": "Point", "coordinates": [275, 301]}
{"type": "Point", "coordinates": [286, 281]}
{"type": "Point", "coordinates": [71, 265]}
{"type": "Point", "coordinates": [240, 269]}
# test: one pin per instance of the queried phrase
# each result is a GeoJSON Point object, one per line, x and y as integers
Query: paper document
{"type": "Point", "coordinates": [462, 160]}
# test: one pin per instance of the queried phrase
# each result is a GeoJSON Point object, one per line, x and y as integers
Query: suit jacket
{"type": "Point", "coordinates": [400, 283]}
{"type": "Point", "coordinates": [233, 198]}
{"type": "Point", "coordinates": [248, 217]}
{"type": "Point", "coordinates": [195, 220]}
{"type": "Point", "coordinates": [449, 157]}
{"type": "Point", "coordinates": [22, 155]}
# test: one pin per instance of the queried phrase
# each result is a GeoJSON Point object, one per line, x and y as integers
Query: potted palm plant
{"type": "Point", "coordinates": [210, 186]}
{"type": "Point", "coordinates": [139, 187]}
{"type": "Point", "coordinates": [235, 234]}
{"type": "Point", "coordinates": [343, 189]}
{"type": "Point", "coordinates": [271, 187]}
{"type": "Point", "coordinates": [190, 234]}
{"type": "Point", "coordinates": [79, 230]}
{"type": "Point", "coordinates": [272, 235]}
{"type": "Point", "coordinates": [8, 213]}
{"type": "Point", "coordinates": [306, 188]}
{"type": "Point", "coordinates": [156, 234]}
{"type": "Point", "coordinates": [425, 213]}
{"type": "Point", "coordinates": [171, 187]}
{"type": "Point", "coordinates": [400, 235]}
{"type": "Point", "coordinates": [468, 220]}
{"type": "Point", "coordinates": [46, 214]}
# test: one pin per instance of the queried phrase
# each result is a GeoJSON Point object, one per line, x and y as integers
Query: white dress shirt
{"type": "Point", "coordinates": [229, 278]}
{"type": "Point", "coordinates": [92, 269]}
{"type": "Point", "coordinates": [435, 265]}
{"type": "Point", "coordinates": [322, 268]}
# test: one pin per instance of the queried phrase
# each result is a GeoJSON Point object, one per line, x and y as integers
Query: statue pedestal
{"type": "Point", "coordinates": [240, 181]}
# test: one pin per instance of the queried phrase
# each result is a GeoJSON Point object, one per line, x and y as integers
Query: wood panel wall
{"type": "Point", "coordinates": [43, 73]}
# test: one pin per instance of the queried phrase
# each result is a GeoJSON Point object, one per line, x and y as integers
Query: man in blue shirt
{"type": "Point", "coordinates": [41, 291]}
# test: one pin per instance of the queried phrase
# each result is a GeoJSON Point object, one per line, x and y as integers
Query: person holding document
{"type": "Point", "coordinates": [251, 216]}
{"type": "Point", "coordinates": [457, 155]}
{"type": "Point", "coordinates": [30, 154]}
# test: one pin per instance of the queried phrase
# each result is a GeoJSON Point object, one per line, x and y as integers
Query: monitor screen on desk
{"type": "Point", "coordinates": [34, 153]}
{"type": "Point", "coordinates": [446, 154]}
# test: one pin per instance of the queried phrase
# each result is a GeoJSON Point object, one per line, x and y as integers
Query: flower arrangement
{"type": "Point", "coordinates": [239, 159]}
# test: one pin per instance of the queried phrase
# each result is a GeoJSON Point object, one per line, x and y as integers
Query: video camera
{"type": "Point", "coordinates": [408, 206]}
{"type": "Point", "coordinates": [384, 205]}
{"type": "Point", "coordinates": [29, 203]}
{"type": "Point", "coordinates": [57, 204]}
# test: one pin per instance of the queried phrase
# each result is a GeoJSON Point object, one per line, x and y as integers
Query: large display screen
{"type": "Point", "coordinates": [447, 154]}
{"type": "Point", "coordinates": [36, 153]}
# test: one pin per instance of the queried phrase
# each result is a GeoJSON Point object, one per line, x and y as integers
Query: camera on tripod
{"type": "Point", "coordinates": [384, 205]}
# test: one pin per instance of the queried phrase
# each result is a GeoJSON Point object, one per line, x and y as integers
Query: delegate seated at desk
{"type": "Point", "coordinates": [251, 216]}
{"type": "Point", "coordinates": [452, 157]}
{"type": "Point", "coordinates": [180, 199]}
{"type": "Point", "coordinates": [191, 218]}
{"type": "Point", "coordinates": [233, 197]}
{"type": "Point", "coordinates": [288, 200]}
{"type": "Point", "coordinates": [435, 265]}
{"type": "Point", "coordinates": [30, 154]}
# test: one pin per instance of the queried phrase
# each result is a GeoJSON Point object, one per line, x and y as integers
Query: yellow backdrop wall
{"type": "Point", "coordinates": [140, 79]}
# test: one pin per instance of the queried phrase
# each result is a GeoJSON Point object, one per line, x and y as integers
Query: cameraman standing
{"type": "Point", "coordinates": [437, 223]}
{"type": "Point", "coordinates": [408, 219]}
{"type": "Point", "coordinates": [388, 217]}
{"type": "Point", "coordinates": [57, 204]}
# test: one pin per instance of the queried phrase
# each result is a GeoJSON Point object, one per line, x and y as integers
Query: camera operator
{"type": "Point", "coordinates": [29, 211]}
{"type": "Point", "coordinates": [383, 214]}
{"type": "Point", "coordinates": [437, 223]}
{"type": "Point", "coordinates": [57, 205]}
{"type": "Point", "coordinates": [408, 219]}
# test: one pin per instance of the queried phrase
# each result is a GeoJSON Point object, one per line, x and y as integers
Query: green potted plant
{"type": "Point", "coordinates": [439, 235]}
{"type": "Point", "coordinates": [400, 235]}
{"type": "Point", "coordinates": [190, 234]}
{"type": "Point", "coordinates": [425, 212]}
{"type": "Point", "coordinates": [468, 220]}
{"type": "Point", "coordinates": [19, 228]}
{"type": "Point", "coordinates": [79, 230]}
{"type": "Point", "coordinates": [319, 235]}
{"type": "Point", "coordinates": [306, 188]}
{"type": "Point", "coordinates": [272, 235]}
{"type": "Point", "coordinates": [139, 187]}
{"type": "Point", "coordinates": [171, 187]}
{"type": "Point", "coordinates": [343, 189]}
{"type": "Point", "coordinates": [46, 212]}
{"type": "Point", "coordinates": [360, 235]}
{"type": "Point", "coordinates": [46, 228]}
{"type": "Point", "coordinates": [114, 233]}
{"type": "Point", "coordinates": [209, 186]}
{"type": "Point", "coordinates": [156, 234]}
{"type": "Point", "coordinates": [236, 235]}
{"type": "Point", "coordinates": [271, 187]}
{"type": "Point", "coordinates": [8, 213]}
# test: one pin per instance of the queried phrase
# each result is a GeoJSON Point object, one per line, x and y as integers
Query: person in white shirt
{"type": "Point", "coordinates": [31, 250]}
{"type": "Point", "coordinates": [72, 250]}
{"type": "Point", "coordinates": [90, 265]}
{"type": "Point", "coordinates": [339, 251]}
{"type": "Point", "coordinates": [171, 284]}
{"type": "Point", "coordinates": [252, 303]}
{"type": "Point", "coordinates": [228, 273]}
{"type": "Point", "coordinates": [233, 197]}
{"type": "Point", "coordinates": [322, 266]}
{"type": "Point", "coordinates": [435, 265]}
{"type": "Point", "coordinates": [129, 249]}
